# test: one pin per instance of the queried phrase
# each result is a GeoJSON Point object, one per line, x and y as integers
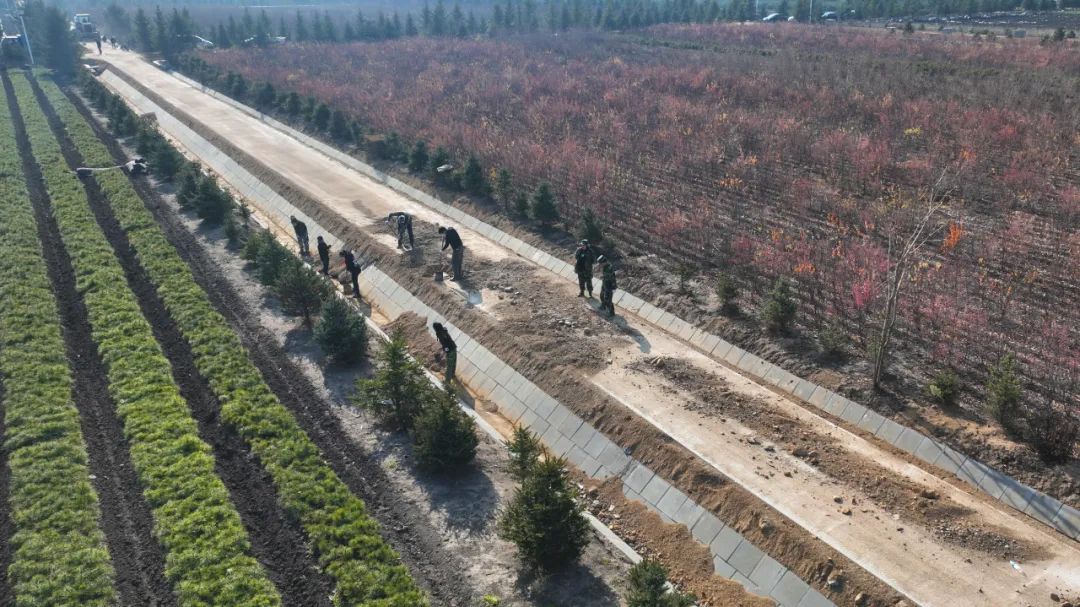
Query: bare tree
{"type": "Point", "coordinates": [913, 223]}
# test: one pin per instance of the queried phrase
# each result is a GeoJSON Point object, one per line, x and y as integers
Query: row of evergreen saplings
{"type": "Point", "coordinates": [206, 546]}
{"type": "Point", "coordinates": [344, 538]}
{"type": "Point", "coordinates": [58, 553]}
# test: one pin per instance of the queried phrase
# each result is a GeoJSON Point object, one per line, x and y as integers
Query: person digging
{"type": "Point", "coordinates": [452, 240]}
{"type": "Point", "coordinates": [449, 349]}
{"type": "Point", "coordinates": [584, 258]}
{"type": "Point", "coordinates": [607, 285]}
{"type": "Point", "coordinates": [403, 221]}
{"type": "Point", "coordinates": [354, 271]}
{"type": "Point", "coordinates": [324, 254]}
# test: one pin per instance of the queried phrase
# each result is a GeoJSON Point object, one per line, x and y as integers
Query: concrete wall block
{"type": "Point", "coordinates": [707, 528]}
{"type": "Point", "coordinates": [746, 557]}
{"type": "Point", "coordinates": [790, 589]}
{"type": "Point", "coordinates": [721, 349]}
{"type": "Point", "coordinates": [733, 355]}
{"type": "Point", "coordinates": [697, 338]}
{"type": "Point", "coordinates": [853, 412]}
{"type": "Point", "coordinates": [819, 396]}
{"type": "Point", "coordinates": [711, 341]}
{"type": "Point", "coordinates": [909, 440]}
{"type": "Point", "coordinates": [551, 436]}
{"type": "Point", "coordinates": [546, 405]}
{"type": "Point", "coordinates": [835, 404]}
{"type": "Point", "coordinates": [689, 513]}
{"type": "Point", "coordinates": [972, 471]}
{"type": "Point", "coordinates": [1068, 522]}
{"type": "Point", "coordinates": [597, 445]}
{"type": "Point", "coordinates": [929, 451]}
{"type": "Point", "coordinates": [665, 320]}
{"type": "Point", "coordinates": [1043, 508]}
{"type": "Point", "coordinates": [637, 477]}
{"type": "Point", "coordinates": [584, 434]}
{"type": "Point", "coordinates": [1017, 495]}
{"type": "Point", "coordinates": [655, 490]}
{"type": "Point", "coordinates": [505, 374]}
{"type": "Point", "coordinates": [813, 598]}
{"type": "Point", "coordinates": [951, 460]}
{"type": "Point", "coordinates": [722, 569]}
{"type": "Point", "coordinates": [650, 312]}
{"type": "Point", "coordinates": [614, 458]}
{"type": "Point", "coordinates": [557, 415]}
{"type": "Point", "coordinates": [767, 573]}
{"type": "Point", "coordinates": [683, 329]}
{"type": "Point", "coordinates": [993, 483]}
{"type": "Point", "coordinates": [538, 425]}
{"type": "Point", "coordinates": [725, 543]}
{"type": "Point", "coordinates": [871, 421]}
{"type": "Point", "coordinates": [746, 583]}
{"type": "Point", "coordinates": [485, 386]}
{"type": "Point", "coordinates": [672, 501]}
{"type": "Point", "coordinates": [563, 446]}
{"type": "Point", "coordinates": [570, 425]}
{"type": "Point", "coordinates": [889, 431]}
{"type": "Point", "coordinates": [516, 385]}
{"type": "Point", "coordinates": [631, 303]}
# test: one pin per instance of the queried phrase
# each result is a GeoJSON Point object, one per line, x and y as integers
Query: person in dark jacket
{"type": "Point", "coordinates": [324, 254]}
{"type": "Point", "coordinates": [403, 221]}
{"type": "Point", "coordinates": [449, 348]}
{"type": "Point", "coordinates": [584, 258]}
{"type": "Point", "coordinates": [607, 285]}
{"type": "Point", "coordinates": [354, 271]}
{"type": "Point", "coordinates": [301, 235]}
{"type": "Point", "coordinates": [452, 240]}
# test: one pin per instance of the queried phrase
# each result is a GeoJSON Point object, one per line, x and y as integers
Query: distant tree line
{"type": "Point", "coordinates": [529, 16]}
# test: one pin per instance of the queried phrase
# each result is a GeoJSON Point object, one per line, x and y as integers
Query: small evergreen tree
{"type": "Point", "coordinates": [239, 88]}
{"type": "Point", "coordinates": [270, 260]}
{"type": "Point", "coordinates": [293, 105]}
{"type": "Point", "coordinates": [444, 435]}
{"type": "Point", "coordinates": [418, 158]}
{"type": "Point", "coordinates": [321, 117]}
{"type": "Point", "coordinates": [521, 204]}
{"type": "Point", "coordinates": [726, 293]}
{"type": "Point", "coordinates": [301, 291]}
{"type": "Point", "coordinates": [339, 127]}
{"type": "Point", "coordinates": [779, 308]}
{"type": "Point", "coordinates": [399, 388]}
{"type": "Point", "coordinates": [187, 190]}
{"type": "Point", "coordinates": [591, 228]}
{"type": "Point", "coordinates": [648, 588]}
{"type": "Point", "coordinates": [1003, 393]}
{"type": "Point", "coordinates": [504, 191]}
{"type": "Point", "coordinates": [213, 204]}
{"type": "Point", "coordinates": [474, 181]}
{"type": "Point", "coordinates": [525, 450]}
{"type": "Point", "coordinates": [543, 205]}
{"type": "Point", "coordinates": [341, 333]}
{"type": "Point", "coordinates": [544, 519]}
{"type": "Point", "coordinates": [265, 96]}
{"type": "Point", "coordinates": [945, 388]}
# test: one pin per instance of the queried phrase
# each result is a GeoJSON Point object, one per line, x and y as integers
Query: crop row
{"type": "Point", "coordinates": [344, 537]}
{"type": "Point", "coordinates": [59, 554]}
{"type": "Point", "coordinates": [205, 543]}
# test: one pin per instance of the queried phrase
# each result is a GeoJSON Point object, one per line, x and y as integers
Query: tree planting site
{"type": "Point", "coordinates": [628, 308]}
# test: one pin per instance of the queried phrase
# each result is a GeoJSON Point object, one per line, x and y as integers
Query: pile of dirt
{"type": "Point", "coordinates": [909, 502]}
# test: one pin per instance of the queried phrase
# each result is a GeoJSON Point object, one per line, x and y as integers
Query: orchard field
{"type": "Point", "coordinates": [765, 152]}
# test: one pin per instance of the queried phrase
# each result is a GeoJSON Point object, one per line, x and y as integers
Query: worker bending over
{"type": "Point", "coordinates": [403, 221]}
{"type": "Point", "coordinates": [449, 349]}
{"type": "Point", "coordinates": [452, 240]}
{"type": "Point", "coordinates": [354, 271]}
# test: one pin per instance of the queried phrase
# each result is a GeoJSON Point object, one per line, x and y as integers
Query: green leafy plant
{"type": "Point", "coordinates": [341, 333]}
{"type": "Point", "coordinates": [543, 205]}
{"type": "Point", "coordinates": [399, 388]}
{"type": "Point", "coordinates": [1003, 393]}
{"type": "Point", "coordinates": [300, 290]}
{"type": "Point", "coordinates": [648, 587]}
{"type": "Point", "coordinates": [525, 450]}
{"type": "Point", "coordinates": [727, 291]}
{"type": "Point", "coordinates": [779, 309]}
{"type": "Point", "coordinates": [444, 436]}
{"type": "Point", "coordinates": [833, 340]}
{"type": "Point", "coordinates": [945, 388]}
{"type": "Point", "coordinates": [544, 518]}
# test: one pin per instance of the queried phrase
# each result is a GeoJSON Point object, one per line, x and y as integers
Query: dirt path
{"type": "Point", "coordinates": [137, 558]}
{"type": "Point", "coordinates": [804, 498]}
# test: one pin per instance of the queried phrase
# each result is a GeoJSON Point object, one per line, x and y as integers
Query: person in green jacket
{"type": "Point", "coordinates": [607, 285]}
{"type": "Point", "coordinates": [584, 258]}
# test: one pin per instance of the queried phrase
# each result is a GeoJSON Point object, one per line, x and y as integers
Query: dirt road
{"type": "Point", "coordinates": [935, 561]}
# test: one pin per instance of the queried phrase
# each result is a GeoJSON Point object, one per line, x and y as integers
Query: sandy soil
{"type": "Point", "coordinates": [805, 497]}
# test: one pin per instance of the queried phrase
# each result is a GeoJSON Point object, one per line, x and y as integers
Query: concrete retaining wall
{"type": "Point", "coordinates": [994, 483]}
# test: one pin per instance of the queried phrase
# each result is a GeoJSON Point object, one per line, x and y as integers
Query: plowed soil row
{"type": "Point", "coordinates": [137, 557]}
{"type": "Point", "coordinates": [276, 539]}
{"type": "Point", "coordinates": [434, 568]}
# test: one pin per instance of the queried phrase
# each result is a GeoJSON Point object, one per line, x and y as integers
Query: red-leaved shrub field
{"type": "Point", "coordinates": [767, 152]}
